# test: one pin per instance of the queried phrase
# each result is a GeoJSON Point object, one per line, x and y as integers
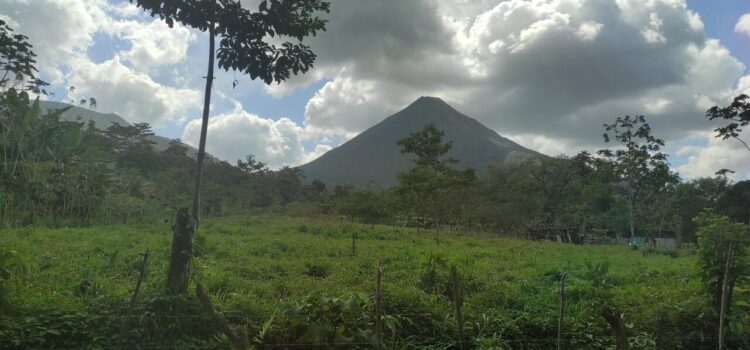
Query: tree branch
{"type": "Point", "coordinates": [743, 142]}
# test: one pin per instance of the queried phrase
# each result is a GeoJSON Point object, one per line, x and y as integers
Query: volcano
{"type": "Point", "coordinates": [372, 159]}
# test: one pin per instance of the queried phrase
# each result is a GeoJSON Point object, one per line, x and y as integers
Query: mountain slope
{"type": "Point", "coordinates": [103, 120]}
{"type": "Point", "coordinates": [373, 159]}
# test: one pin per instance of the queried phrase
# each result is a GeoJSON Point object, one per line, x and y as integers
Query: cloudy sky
{"type": "Point", "coordinates": [545, 73]}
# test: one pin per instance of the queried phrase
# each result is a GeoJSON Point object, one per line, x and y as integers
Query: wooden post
{"type": "Point", "coordinates": [457, 302]}
{"type": "Point", "coordinates": [724, 293]}
{"type": "Point", "coordinates": [437, 232]}
{"type": "Point", "coordinates": [378, 309]}
{"type": "Point", "coordinates": [141, 275]}
{"type": "Point", "coordinates": [354, 243]}
{"type": "Point", "coordinates": [561, 312]}
{"type": "Point", "coordinates": [185, 226]}
{"type": "Point", "coordinates": [612, 316]}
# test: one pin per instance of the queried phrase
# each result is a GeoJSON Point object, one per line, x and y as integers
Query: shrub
{"type": "Point", "coordinates": [715, 235]}
{"type": "Point", "coordinates": [316, 270]}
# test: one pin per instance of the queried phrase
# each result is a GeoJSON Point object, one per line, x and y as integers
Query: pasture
{"type": "Point", "coordinates": [296, 282]}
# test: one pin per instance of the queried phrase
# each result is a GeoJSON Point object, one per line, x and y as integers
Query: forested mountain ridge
{"type": "Point", "coordinates": [103, 120]}
{"type": "Point", "coordinates": [61, 170]}
{"type": "Point", "coordinates": [373, 159]}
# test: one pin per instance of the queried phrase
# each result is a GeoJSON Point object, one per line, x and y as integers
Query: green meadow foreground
{"type": "Point", "coordinates": [296, 282]}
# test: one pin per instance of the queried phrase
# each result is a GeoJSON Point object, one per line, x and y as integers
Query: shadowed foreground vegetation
{"type": "Point", "coordinates": [71, 288]}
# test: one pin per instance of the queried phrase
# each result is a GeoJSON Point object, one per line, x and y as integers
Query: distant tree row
{"type": "Point", "coordinates": [65, 173]}
{"type": "Point", "coordinates": [629, 189]}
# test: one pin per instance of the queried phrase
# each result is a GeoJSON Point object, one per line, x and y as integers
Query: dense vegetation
{"type": "Point", "coordinates": [84, 213]}
{"type": "Point", "coordinates": [296, 281]}
{"type": "Point", "coordinates": [65, 173]}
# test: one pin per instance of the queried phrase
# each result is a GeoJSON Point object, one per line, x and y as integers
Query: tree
{"type": "Point", "coordinates": [17, 62]}
{"type": "Point", "coordinates": [244, 47]}
{"type": "Point", "coordinates": [736, 201]}
{"type": "Point", "coordinates": [738, 116]}
{"type": "Point", "coordinates": [723, 251]}
{"type": "Point", "coordinates": [507, 197]}
{"type": "Point", "coordinates": [258, 186]}
{"type": "Point", "coordinates": [251, 165]}
{"type": "Point", "coordinates": [427, 145]}
{"type": "Point", "coordinates": [366, 205]}
{"type": "Point", "coordinates": [288, 184]}
{"type": "Point", "coordinates": [692, 197]}
{"type": "Point", "coordinates": [425, 186]}
{"type": "Point", "coordinates": [177, 149]}
{"type": "Point", "coordinates": [641, 169]}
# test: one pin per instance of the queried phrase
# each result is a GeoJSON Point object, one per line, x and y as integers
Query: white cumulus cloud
{"type": "Point", "coordinates": [152, 43]}
{"type": "Point", "coordinates": [236, 134]}
{"type": "Point", "coordinates": [743, 25]}
{"type": "Point", "coordinates": [132, 94]}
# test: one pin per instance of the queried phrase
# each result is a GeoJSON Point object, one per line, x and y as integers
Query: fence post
{"type": "Point", "coordinates": [562, 311]}
{"type": "Point", "coordinates": [457, 301]}
{"type": "Point", "coordinates": [378, 309]}
{"type": "Point", "coordinates": [437, 233]}
{"type": "Point", "coordinates": [354, 242]}
{"type": "Point", "coordinates": [141, 275]}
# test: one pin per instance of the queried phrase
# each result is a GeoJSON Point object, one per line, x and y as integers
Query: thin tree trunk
{"type": "Point", "coordinates": [457, 303]}
{"type": "Point", "coordinates": [378, 309]}
{"type": "Point", "coordinates": [187, 223]}
{"type": "Point", "coordinates": [561, 313]}
{"type": "Point", "coordinates": [725, 291]}
{"type": "Point", "coordinates": [204, 124]}
{"type": "Point", "coordinates": [632, 221]}
{"type": "Point", "coordinates": [661, 224]}
{"type": "Point", "coordinates": [437, 232]}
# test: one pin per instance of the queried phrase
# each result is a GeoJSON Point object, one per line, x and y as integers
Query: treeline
{"type": "Point", "coordinates": [65, 173]}
{"type": "Point", "coordinates": [630, 190]}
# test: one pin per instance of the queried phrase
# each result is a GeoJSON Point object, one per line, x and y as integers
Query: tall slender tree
{"type": "Point", "coordinates": [427, 186]}
{"type": "Point", "coordinates": [640, 168]}
{"type": "Point", "coordinates": [248, 44]}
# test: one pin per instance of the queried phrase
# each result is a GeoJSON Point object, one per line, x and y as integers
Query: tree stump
{"type": "Point", "coordinates": [182, 251]}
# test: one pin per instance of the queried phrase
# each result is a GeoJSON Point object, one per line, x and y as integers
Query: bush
{"type": "Point", "coordinates": [316, 270]}
{"type": "Point", "coordinates": [12, 266]}
{"type": "Point", "coordinates": [435, 278]}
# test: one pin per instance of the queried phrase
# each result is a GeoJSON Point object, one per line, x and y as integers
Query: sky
{"type": "Point", "coordinates": [544, 73]}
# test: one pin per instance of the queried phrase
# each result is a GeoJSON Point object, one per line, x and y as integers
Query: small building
{"type": "Point", "coordinates": [562, 235]}
{"type": "Point", "coordinates": [666, 240]}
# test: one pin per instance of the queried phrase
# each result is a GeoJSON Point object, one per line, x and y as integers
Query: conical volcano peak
{"type": "Point", "coordinates": [427, 109]}
{"type": "Point", "coordinates": [373, 158]}
{"type": "Point", "coordinates": [430, 101]}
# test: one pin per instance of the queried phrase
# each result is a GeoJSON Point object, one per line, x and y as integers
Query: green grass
{"type": "Point", "coordinates": [260, 266]}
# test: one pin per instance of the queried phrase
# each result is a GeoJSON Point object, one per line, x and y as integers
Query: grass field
{"type": "Point", "coordinates": [297, 281]}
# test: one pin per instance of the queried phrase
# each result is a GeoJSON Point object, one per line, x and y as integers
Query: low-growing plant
{"type": "Point", "coordinates": [334, 322]}
{"type": "Point", "coordinates": [316, 270]}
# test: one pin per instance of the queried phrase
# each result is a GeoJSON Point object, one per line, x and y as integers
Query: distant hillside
{"type": "Point", "coordinates": [104, 120]}
{"type": "Point", "coordinates": [373, 159]}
